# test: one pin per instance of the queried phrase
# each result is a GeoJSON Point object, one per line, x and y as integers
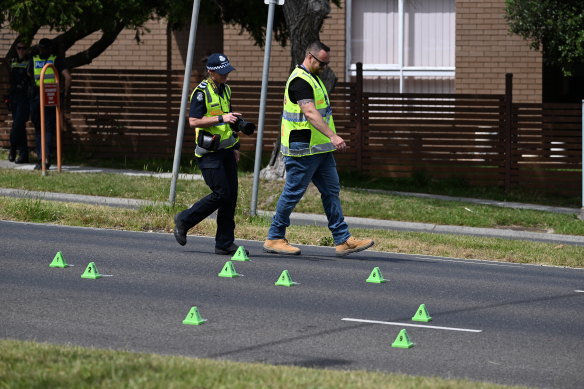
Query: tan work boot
{"type": "Point", "coordinates": [353, 245]}
{"type": "Point", "coordinates": [280, 246]}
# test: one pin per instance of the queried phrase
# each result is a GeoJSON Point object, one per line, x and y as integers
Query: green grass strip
{"type": "Point", "coordinates": [159, 219]}
{"type": "Point", "coordinates": [30, 365]}
{"type": "Point", "coordinates": [355, 202]}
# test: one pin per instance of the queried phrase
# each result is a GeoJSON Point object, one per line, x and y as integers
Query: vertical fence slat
{"type": "Point", "coordinates": [508, 128]}
{"type": "Point", "coordinates": [359, 136]}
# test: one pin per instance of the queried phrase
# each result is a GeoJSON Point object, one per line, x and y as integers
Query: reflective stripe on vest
{"type": "Point", "coordinates": [216, 105]}
{"type": "Point", "coordinates": [299, 116]}
{"type": "Point", "coordinates": [294, 119]}
{"type": "Point", "coordinates": [18, 65]}
{"type": "Point", "coordinates": [318, 149]}
{"type": "Point", "coordinates": [38, 65]}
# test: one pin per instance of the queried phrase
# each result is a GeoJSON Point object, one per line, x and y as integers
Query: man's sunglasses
{"type": "Point", "coordinates": [322, 64]}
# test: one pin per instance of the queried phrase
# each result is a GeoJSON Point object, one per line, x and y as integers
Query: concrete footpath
{"type": "Point", "coordinates": [313, 219]}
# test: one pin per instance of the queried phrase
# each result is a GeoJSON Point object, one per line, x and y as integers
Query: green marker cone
{"type": "Point", "coordinates": [422, 314]}
{"type": "Point", "coordinates": [240, 255]}
{"type": "Point", "coordinates": [228, 270]}
{"type": "Point", "coordinates": [194, 317]}
{"type": "Point", "coordinates": [59, 261]}
{"type": "Point", "coordinates": [402, 340]}
{"type": "Point", "coordinates": [285, 279]}
{"type": "Point", "coordinates": [91, 272]}
{"type": "Point", "coordinates": [375, 276]}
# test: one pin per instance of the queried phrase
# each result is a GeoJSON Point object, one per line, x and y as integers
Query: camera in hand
{"type": "Point", "coordinates": [244, 126]}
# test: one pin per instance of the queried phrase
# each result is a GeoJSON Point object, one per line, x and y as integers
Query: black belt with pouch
{"type": "Point", "coordinates": [208, 141]}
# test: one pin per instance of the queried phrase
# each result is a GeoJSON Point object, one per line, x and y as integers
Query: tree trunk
{"type": "Point", "coordinates": [304, 20]}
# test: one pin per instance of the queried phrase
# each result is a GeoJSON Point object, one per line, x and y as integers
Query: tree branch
{"type": "Point", "coordinates": [85, 57]}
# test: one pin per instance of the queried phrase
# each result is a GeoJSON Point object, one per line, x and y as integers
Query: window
{"type": "Point", "coordinates": [405, 46]}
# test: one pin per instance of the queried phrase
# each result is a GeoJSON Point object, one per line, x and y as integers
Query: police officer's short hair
{"type": "Point", "coordinates": [46, 43]}
{"type": "Point", "coordinates": [316, 46]}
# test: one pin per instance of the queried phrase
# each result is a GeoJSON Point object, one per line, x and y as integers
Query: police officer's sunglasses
{"type": "Point", "coordinates": [322, 64]}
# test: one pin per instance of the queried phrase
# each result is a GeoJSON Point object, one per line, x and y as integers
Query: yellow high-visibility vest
{"type": "Point", "coordinates": [216, 105]}
{"type": "Point", "coordinates": [293, 118]}
{"type": "Point", "coordinates": [38, 64]}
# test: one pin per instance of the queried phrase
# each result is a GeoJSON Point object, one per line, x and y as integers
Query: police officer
{"type": "Point", "coordinates": [19, 104]}
{"type": "Point", "coordinates": [217, 152]}
{"type": "Point", "coordinates": [36, 64]}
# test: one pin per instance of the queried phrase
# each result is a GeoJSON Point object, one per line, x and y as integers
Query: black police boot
{"type": "Point", "coordinates": [22, 158]}
{"type": "Point", "coordinates": [180, 230]}
{"type": "Point", "coordinates": [12, 155]}
{"type": "Point", "coordinates": [229, 250]}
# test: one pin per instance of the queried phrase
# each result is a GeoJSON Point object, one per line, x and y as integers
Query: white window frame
{"type": "Point", "coordinates": [391, 70]}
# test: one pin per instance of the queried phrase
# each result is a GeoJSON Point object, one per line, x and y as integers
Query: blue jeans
{"type": "Point", "coordinates": [321, 169]}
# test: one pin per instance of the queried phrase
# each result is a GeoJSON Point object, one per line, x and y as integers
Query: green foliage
{"type": "Point", "coordinates": [252, 17]}
{"type": "Point", "coordinates": [555, 27]}
{"type": "Point", "coordinates": [25, 17]}
{"type": "Point", "coordinates": [76, 19]}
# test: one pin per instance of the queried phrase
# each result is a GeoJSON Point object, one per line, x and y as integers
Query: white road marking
{"type": "Point", "coordinates": [389, 323]}
{"type": "Point", "coordinates": [472, 261]}
{"type": "Point", "coordinates": [579, 291]}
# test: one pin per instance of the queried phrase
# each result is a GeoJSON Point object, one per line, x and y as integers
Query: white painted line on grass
{"type": "Point", "coordinates": [389, 323]}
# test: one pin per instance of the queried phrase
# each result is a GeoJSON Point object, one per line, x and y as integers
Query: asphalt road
{"type": "Point", "coordinates": [502, 323]}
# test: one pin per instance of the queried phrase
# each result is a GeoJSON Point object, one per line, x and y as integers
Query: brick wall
{"type": "Point", "coordinates": [248, 58]}
{"type": "Point", "coordinates": [485, 51]}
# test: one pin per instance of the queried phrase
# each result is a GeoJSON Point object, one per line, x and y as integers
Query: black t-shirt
{"type": "Point", "coordinates": [300, 89]}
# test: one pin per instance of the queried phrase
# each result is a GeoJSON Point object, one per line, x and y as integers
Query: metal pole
{"type": "Point", "coordinates": [400, 44]}
{"type": "Point", "coordinates": [348, 38]}
{"type": "Point", "coordinates": [185, 91]}
{"type": "Point", "coordinates": [263, 98]}
{"type": "Point", "coordinates": [582, 154]}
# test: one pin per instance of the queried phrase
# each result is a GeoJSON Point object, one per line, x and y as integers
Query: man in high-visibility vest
{"type": "Point", "coordinates": [308, 138]}
{"type": "Point", "coordinates": [217, 152]}
{"type": "Point", "coordinates": [36, 64]}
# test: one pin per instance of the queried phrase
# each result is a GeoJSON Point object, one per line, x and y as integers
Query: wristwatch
{"type": "Point", "coordinates": [220, 119]}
